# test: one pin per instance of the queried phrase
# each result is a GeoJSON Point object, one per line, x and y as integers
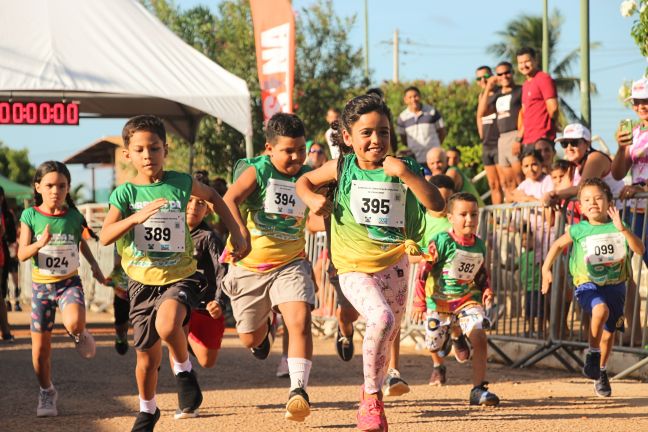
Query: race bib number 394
{"type": "Point", "coordinates": [605, 248]}
{"type": "Point", "coordinates": [281, 199]}
{"type": "Point", "coordinates": [58, 260]}
{"type": "Point", "coordinates": [378, 203]}
{"type": "Point", "coordinates": [162, 232]}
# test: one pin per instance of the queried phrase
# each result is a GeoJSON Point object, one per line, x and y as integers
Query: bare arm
{"type": "Point", "coordinates": [424, 191]}
{"type": "Point", "coordinates": [94, 265]}
{"type": "Point", "coordinates": [634, 242]}
{"type": "Point", "coordinates": [309, 183]}
{"type": "Point", "coordinates": [552, 107]}
{"type": "Point", "coordinates": [564, 241]}
{"type": "Point", "coordinates": [621, 163]}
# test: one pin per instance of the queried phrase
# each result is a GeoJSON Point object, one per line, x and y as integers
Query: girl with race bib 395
{"type": "Point", "coordinates": [51, 236]}
{"type": "Point", "coordinates": [600, 266]}
{"type": "Point", "coordinates": [376, 220]}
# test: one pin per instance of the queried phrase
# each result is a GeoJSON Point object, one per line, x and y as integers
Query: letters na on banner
{"type": "Point", "coordinates": [274, 36]}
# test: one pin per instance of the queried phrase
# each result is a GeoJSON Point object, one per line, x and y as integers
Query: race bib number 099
{"type": "Point", "coordinates": [605, 248]}
{"type": "Point", "coordinates": [162, 232]}
{"type": "Point", "coordinates": [281, 199]}
{"type": "Point", "coordinates": [378, 203]}
{"type": "Point", "coordinates": [58, 260]}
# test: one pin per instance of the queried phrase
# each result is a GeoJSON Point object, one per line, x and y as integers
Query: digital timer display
{"type": "Point", "coordinates": [39, 113]}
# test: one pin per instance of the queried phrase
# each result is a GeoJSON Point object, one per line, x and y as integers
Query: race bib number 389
{"type": "Point", "coordinates": [58, 260]}
{"type": "Point", "coordinates": [162, 232]}
{"type": "Point", "coordinates": [378, 203]}
{"type": "Point", "coordinates": [281, 199]}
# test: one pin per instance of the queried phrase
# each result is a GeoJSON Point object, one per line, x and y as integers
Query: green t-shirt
{"type": "Point", "coordinates": [160, 251]}
{"type": "Point", "coordinates": [372, 217]}
{"type": "Point", "coordinates": [530, 272]}
{"type": "Point", "coordinates": [599, 254]}
{"type": "Point", "coordinates": [433, 225]}
{"type": "Point", "coordinates": [59, 259]}
{"type": "Point", "coordinates": [453, 275]}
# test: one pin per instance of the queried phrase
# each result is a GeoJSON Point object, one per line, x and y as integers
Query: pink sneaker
{"type": "Point", "coordinates": [371, 415]}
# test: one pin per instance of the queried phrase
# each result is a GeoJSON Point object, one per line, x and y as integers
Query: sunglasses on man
{"type": "Point", "coordinates": [508, 72]}
{"type": "Point", "coordinates": [483, 77]}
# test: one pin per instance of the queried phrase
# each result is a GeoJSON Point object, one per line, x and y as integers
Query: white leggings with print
{"type": "Point", "coordinates": [381, 298]}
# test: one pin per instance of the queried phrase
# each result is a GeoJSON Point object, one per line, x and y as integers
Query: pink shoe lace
{"type": "Point", "coordinates": [371, 415]}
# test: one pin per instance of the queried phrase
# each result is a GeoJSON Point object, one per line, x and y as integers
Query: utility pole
{"type": "Point", "coordinates": [396, 56]}
{"type": "Point", "coordinates": [586, 107]}
{"type": "Point", "coordinates": [545, 36]}
{"type": "Point", "coordinates": [366, 41]}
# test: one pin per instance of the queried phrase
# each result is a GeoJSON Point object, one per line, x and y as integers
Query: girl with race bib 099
{"type": "Point", "coordinates": [51, 234]}
{"type": "Point", "coordinates": [600, 266]}
{"type": "Point", "coordinates": [376, 219]}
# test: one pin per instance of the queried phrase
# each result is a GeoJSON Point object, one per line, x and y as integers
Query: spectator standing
{"type": "Point", "coordinates": [488, 132]}
{"type": "Point", "coordinates": [332, 114]}
{"type": "Point", "coordinates": [454, 156]}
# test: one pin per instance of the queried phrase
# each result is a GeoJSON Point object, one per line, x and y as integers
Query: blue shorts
{"type": "Point", "coordinates": [589, 295]}
{"type": "Point", "coordinates": [46, 297]}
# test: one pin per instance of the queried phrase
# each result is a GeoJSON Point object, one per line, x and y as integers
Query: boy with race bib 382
{"type": "Point", "coordinates": [376, 219]}
{"type": "Point", "coordinates": [147, 219]}
{"type": "Point", "coordinates": [600, 266]}
{"type": "Point", "coordinates": [274, 277]}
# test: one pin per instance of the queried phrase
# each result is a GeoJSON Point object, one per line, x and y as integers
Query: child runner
{"type": "Point", "coordinates": [275, 276]}
{"type": "Point", "coordinates": [119, 282]}
{"type": "Point", "coordinates": [456, 286]}
{"type": "Point", "coordinates": [437, 222]}
{"type": "Point", "coordinates": [50, 234]}
{"type": "Point", "coordinates": [147, 219]}
{"type": "Point", "coordinates": [600, 266]}
{"type": "Point", "coordinates": [376, 219]}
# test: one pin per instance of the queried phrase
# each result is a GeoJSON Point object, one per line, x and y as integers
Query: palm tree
{"type": "Point", "coordinates": [526, 31]}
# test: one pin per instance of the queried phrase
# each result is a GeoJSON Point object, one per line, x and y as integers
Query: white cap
{"type": "Point", "coordinates": [575, 131]}
{"type": "Point", "coordinates": [639, 89]}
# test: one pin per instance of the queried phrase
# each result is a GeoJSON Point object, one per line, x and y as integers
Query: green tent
{"type": "Point", "coordinates": [15, 190]}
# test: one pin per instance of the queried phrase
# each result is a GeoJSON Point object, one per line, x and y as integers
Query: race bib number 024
{"type": "Point", "coordinates": [281, 199]}
{"type": "Point", "coordinates": [162, 232]}
{"type": "Point", "coordinates": [378, 203]}
{"type": "Point", "coordinates": [605, 248]}
{"type": "Point", "coordinates": [58, 260]}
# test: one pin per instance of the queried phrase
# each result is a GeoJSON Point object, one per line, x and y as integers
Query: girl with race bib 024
{"type": "Point", "coordinates": [376, 220]}
{"type": "Point", "coordinates": [51, 234]}
{"type": "Point", "coordinates": [600, 266]}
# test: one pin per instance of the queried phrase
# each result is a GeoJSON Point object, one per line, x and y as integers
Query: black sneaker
{"type": "Point", "coordinates": [189, 395]}
{"type": "Point", "coordinates": [8, 337]}
{"type": "Point", "coordinates": [298, 406]}
{"type": "Point", "coordinates": [480, 395]}
{"type": "Point", "coordinates": [121, 346]}
{"type": "Point", "coordinates": [602, 385]}
{"type": "Point", "coordinates": [263, 350]}
{"type": "Point", "coordinates": [592, 368]}
{"type": "Point", "coordinates": [18, 308]}
{"type": "Point", "coordinates": [145, 422]}
{"type": "Point", "coordinates": [344, 345]}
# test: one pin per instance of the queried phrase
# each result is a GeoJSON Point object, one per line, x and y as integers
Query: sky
{"type": "Point", "coordinates": [440, 40]}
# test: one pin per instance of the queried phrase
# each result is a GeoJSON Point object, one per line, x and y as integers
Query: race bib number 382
{"type": "Point", "coordinates": [378, 203]}
{"type": "Point", "coordinates": [162, 232]}
{"type": "Point", "coordinates": [281, 199]}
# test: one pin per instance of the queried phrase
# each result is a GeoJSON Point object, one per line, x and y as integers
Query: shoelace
{"type": "Point", "coordinates": [47, 399]}
{"type": "Point", "coordinates": [604, 379]}
{"type": "Point", "coordinates": [372, 406]}
{"type": "Point", "coordinates": [344, 340]}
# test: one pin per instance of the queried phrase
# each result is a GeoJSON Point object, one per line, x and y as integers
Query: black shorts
{"type": "Point", "coordinates": [145, 301]}
{"type": "Point", "coordinates": [489, 156]}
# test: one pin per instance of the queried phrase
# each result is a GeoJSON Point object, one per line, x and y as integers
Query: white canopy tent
{"type": "Point", "coordinates": [117, 60]}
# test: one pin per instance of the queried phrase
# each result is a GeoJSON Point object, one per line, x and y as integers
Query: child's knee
{"type": "Point", "coordinates": [147, 364]}
{"type": "Point", "coordinates": [478, 338]}
{"type": "Point", "coordinates": [385, 322]}
{"type": "Point", "coordinates": [601, 310]}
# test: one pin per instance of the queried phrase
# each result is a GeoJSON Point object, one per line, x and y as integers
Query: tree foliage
{"type": "Point", "coordinates": [15, 165]}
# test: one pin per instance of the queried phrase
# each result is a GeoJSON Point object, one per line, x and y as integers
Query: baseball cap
{"type": "Point", "coordinates": [639, 89]}
{"type": "Point", "coordinates": [575, 131]}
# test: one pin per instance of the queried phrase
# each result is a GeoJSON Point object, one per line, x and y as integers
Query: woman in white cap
{"type": "Point", "coordinates": [576, 141]}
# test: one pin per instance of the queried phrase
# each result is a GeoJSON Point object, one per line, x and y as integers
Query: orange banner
{"type": "Point", "coordinates": [274, 36]}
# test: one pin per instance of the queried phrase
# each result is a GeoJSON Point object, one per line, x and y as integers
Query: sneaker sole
{"type": "Point", "coordinates": [179, 414]}
{"type": "Point", "coordinates": [600, 394]}
{"type": "Point", "coordinates": [397, 390]}
{"type": "Point", "coordinates": [297, 409]}
{"type": "Point", "coordinates": [47, 414]}
{"type": "Point", "coordinates": [436, 384]}
{"type": "Point", "coordinates": [485, 404]}
{"type": "Point", "coordinates": [283, 375]}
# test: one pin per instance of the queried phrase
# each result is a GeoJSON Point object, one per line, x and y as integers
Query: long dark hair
{"type": "Point", "coordinates": [58, 167]}
{"type": "Point", "coordinates": [4, 207]}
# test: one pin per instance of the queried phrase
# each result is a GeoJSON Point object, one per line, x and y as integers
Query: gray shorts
{"type": "Point", "coordinates": [505, 155]}
{"type": "Point", "coordinates": [254, 295]}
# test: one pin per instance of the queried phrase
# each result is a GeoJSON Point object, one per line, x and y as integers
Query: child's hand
{"type": "Point", "coordinates": [394, 167]}
{"type": "Point", "coordinates": [44, 238]}
{"type": "Point", "coordinates": [319, 205]}
{"type": "Point", "coordinates": [487, 298]}
{"type": "Point", "coordinates": [547, 278]}
{"type": "Point", "coordinates": [614, 214]}
{"type": "Point", "coordinates": [241, 244]}
{"type": "Point", "coordinates": [149, 210]}
{"type": "Point", "coordinates": [98, 275]}
{"type": "Point", "coordinates": [418, 316]}
{"type": "Point", "coordinates": [214, 309]}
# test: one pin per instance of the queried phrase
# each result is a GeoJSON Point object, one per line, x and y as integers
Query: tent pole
{"type": "Point", "coordinates": [249, 148]}
{"type": "Point", "coordinates": [191, 157]}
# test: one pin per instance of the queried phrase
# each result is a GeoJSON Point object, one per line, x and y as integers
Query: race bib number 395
{"type": "Point", "coordinates": [605, 248]}
{"type": "Point", "coordinates": [58, 260]}
{"type": "Point", "coordinates": [162, 232]}
{"type": "Point", "coordinates": [378, 203]}
{"type": "Point", "coordinates": [281, 199]}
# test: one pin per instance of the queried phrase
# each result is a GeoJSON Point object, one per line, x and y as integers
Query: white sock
{"type": "Point", "coordinates": [185, 366]}
{"type": "Point", "coordinates": [299, 369]}
{"type": "Point", "coordinates": [50, 388]}
{"type": "Point", "coordinates": [148, 406]}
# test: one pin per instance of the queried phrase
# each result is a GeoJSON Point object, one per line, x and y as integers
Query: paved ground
{"type": "Point", "coordinates": [243, 394]}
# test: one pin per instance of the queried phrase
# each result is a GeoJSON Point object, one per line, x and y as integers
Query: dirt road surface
{"type": "Point", "coordinates": [243, 394]}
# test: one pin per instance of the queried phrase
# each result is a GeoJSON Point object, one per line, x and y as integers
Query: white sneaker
{"type": "Point", "coordinates": [282, 368]}
{"type": "Point", "coordinates": [394, 385]}
{"type": "Point", "coordinates": [47, 403]}
{"type": "Point", "coordinates": [85, 344]}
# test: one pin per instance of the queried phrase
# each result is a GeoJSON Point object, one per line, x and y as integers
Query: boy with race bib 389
{"type": "Point", "coordinates": [600, 266]}
{"type": "Point", "coordinates": [376, 219]}
{"type": "Point", "coordinates": [147, 219]}
{"type": "Point", "coordinates": [274, 277]}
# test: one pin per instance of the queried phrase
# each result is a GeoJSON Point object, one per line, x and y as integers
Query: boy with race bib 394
{"type": "Point", "coordinates": [600, 266]}
{"type": "Point", "coordinates": [274, 277]}
{"type": "Point", "coordinates": [147, 219]}
{"type": "Point", "coordinates": [376, 219]}
{"type": "Point", "coordinates": [51, 235]}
